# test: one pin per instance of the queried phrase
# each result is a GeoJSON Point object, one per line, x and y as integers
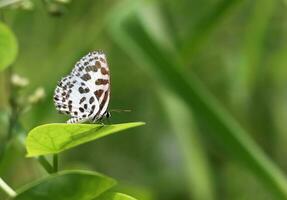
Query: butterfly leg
{"type": "Point", "coordinates": [108, 121]}
{"type": "Point", "coordinates": [100, 121]}
{"type": "Point", "coordinates": [103, 120]}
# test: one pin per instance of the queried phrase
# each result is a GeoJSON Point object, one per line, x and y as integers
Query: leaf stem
{"type": "Point", "coordinates": [7, 189]}
{"type": "Point", "coordinates": [45, 164]}
{"type": "Point", "coordinates": [55, 163]}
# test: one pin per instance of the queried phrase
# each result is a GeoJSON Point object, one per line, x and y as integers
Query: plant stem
{"type": "Point", "coordinates": [7, 189]}
{"type": "Point", "coordinates": [12, 102]}
{"type": "Point", "coordinates": [45, 164]}
{"type": "Point", "coordinates": [55, 163]}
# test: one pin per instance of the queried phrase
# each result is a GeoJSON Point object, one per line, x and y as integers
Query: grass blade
{"type": "Point", "coordinates": [196, 163]}
{"type": "Point", "coordinates": [205, 26]}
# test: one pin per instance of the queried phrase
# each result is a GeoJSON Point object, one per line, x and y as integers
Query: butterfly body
{"type": "Point", "coordinates": [85, 93]}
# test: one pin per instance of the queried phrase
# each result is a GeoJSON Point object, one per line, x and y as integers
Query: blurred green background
{"type": "Point", "coordinates": [209, 78]}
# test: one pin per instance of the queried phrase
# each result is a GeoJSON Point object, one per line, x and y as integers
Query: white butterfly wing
{"type": "Point", "coordinates": [85, 93]}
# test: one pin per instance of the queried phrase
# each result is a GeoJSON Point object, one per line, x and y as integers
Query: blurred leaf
{"type": "Point", "coordinates": [4, 122]}
{"type": "Point", "coordinates": [55, 138]}
{"type": "Point", "coordinates": [253, 190]}
{"type": "Point", "coordinates": [114, 196]}
{"type": "Point", "coordinates": [8, 46]}
{"type": "Point", "coordinates": [11, 151]}
{"type": "Point", "coordinates": [67, 185]}
{"type": "Point", "coordinates": [245, 70]}
{"type": "Point", "coordinates": [4, 3]}
{"type": "Point", "coordinates": [142, 192]}
{"type": "Point", "coordinates": [127, 30]}
{"type": "Point", "coordinates": [152, 18]}
{"type": "Point", "coordinates": [196, 163]}
{"type": "Point", "coordinates": [205, 26]}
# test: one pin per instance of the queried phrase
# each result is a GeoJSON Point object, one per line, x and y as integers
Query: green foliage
{"type": "Point", "coordinates": [67, 185]}
{"type": "Point", "coordinates": [55, 138]}
{"type": "Point", "coordinates": [196, 163]}
{"type": "Point", "coordinates": [8, 46]}
{"type": "Point", "coordinates": [72, 185]}
{"type": "Point", "coordinates": [198, 34]}
{"type": "Point", "coordinates": [200, 133]}
{"type": "Point", "coordinates": [127, 29]}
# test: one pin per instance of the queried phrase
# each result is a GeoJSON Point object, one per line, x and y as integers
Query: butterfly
{"type": "Point", "coordinates": [85, 93]}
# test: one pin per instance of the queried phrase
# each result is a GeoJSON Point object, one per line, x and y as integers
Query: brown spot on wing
{"type": "Point", "coordinates": [102, 81]}
{"type": "Point", "coordinates": [86, 77]}
{"type": "Point", "coordinates": [104, 71]}
{"type": "Point", "coordinates": [94, 68]}
{"type": "Point", "coordinates": [82, 90]}
{"type": "Point", "coordinates": [98, 65]}
{"type": "Point", "coordinates": [102, 60]}
{"type": "Point", "coordinates": [104, 99]}
{"type": "Point", "coordinates": [102, 104]}
{"type": "Point", "coordinates": [98, 93]}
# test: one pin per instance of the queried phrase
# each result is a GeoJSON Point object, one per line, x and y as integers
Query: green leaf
{"type": "Point", "coordinates": [114, 196]}
{"type": "Point", "coordinates": [67, 185]}
{"type": "Point", "coordinates": [8, 46]}
{"type": "Point", "coordinates": [55, 138]}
